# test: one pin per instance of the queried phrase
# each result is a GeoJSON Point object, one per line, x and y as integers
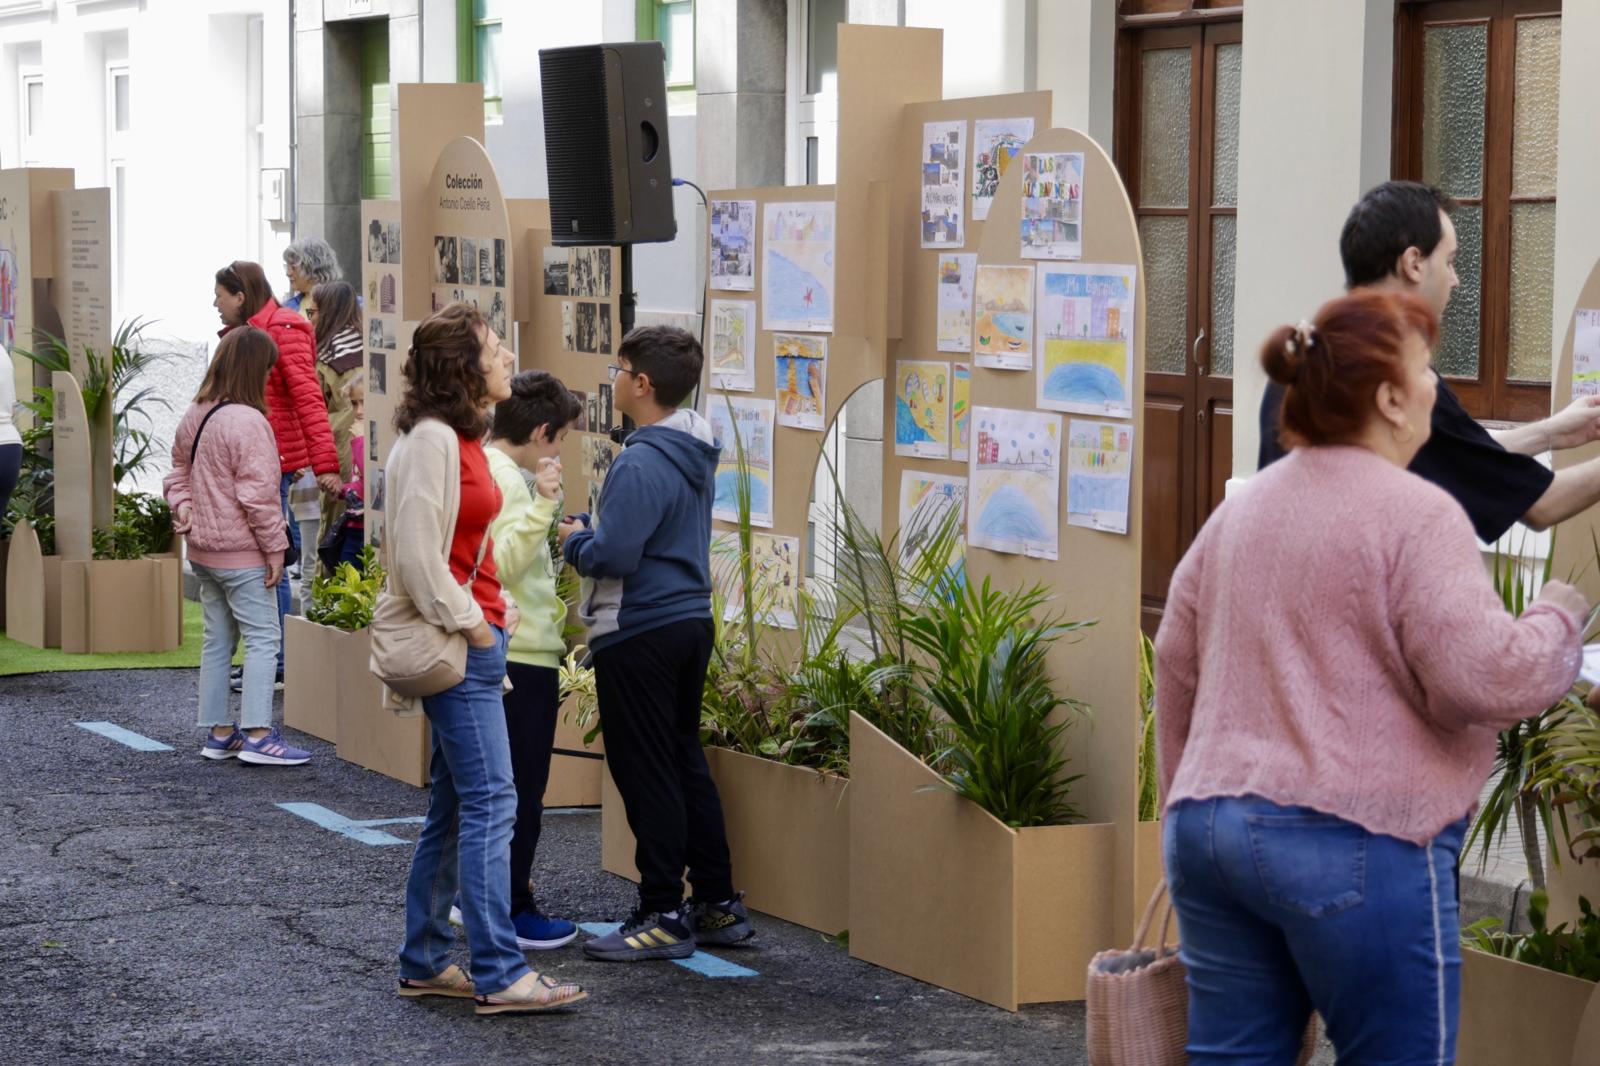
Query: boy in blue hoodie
{"type": "Point", "coordinates": [645, 560]}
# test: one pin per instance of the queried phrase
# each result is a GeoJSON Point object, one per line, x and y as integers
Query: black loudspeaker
{"type": "Point", "coordinates": [605, 143]}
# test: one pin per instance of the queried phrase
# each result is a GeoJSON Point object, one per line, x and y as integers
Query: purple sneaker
{"type": "Point", "coordinates": [226, 747]}
{"type": "Point", "coordinates": [272, 750]}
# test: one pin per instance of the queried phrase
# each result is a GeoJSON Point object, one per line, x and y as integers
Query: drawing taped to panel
{"type": "Point", "coordinates": [1052, 205]}
{"type": "Point", "coordinates": [9, 287]}
{"type": "Point", "coordinates": [775, 570]}
{"type": "Point", "coordinates": [733, 345]}
{"type": "Point", "coordinates": [1085, 318]}
{"type": "Point", "coordinates": [960, 410]}
{"type": "Point", "coordinates": [957, 276]}
{"type": "Point", "coordinates": [922, 409]}
{"type": "Point", "coordinates": [933, 506]}
{"type": "Point", "coordinates": [943, 184]}
{"type": "Point", "coordinates": [733, 245]}
{"type": "Point", "coordinates": [995, 143]}
{"type": "Point", "coordinates": [1003, 326]}
{"type": "Point", "coordinates": [801, 375]}
{"type": "Point", "coordinates": [753, 419]}
{"type": "Point", "coordinates": [1586, 353]}
{"type": "Point", "coordinates": [1099, 474]}
{"type": "Point", "coordinates": [1014, 481]}
{"type": "Point", "coordinates": [797, 267]}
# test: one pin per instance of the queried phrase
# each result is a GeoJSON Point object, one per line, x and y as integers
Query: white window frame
{"type": "Point", "coordinates": [118, 145]}
{"type": "Point", "coordinates": [808, 114]}
{"type": "Point", "coordinates": [30, 141]}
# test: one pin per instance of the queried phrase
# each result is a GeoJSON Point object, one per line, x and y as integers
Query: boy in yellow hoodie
{"type": "Point", "coordinates": [527, 435]}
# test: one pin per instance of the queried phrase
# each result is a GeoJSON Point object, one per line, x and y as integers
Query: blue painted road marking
{"type": "Point", "coordinates": [124, 736]}
{"type": "Point", "coordinates": [338, 823]}
{"type": "Point", "coordinates": [702, 963]}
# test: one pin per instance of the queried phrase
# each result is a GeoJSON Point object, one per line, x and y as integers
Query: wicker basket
{"type": "Point", "coordinates": [1138, 1001]}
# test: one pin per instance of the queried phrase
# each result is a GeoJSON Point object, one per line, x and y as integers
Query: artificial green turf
{"type": "Point", "coordinates": [18, 658]}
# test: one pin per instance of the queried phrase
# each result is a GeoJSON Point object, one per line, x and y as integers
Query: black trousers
{"type": "Point", "coordinates": [650, 689]}
{"type": "Point", "coordinates": [531, 709]}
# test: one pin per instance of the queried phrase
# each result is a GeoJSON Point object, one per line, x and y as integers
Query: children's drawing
{"type": "Point", "coordinates": [1014, 481]}
{"type": "Point", "coordinates": [1099, 473]}
{"type": "Point", "coordinates": [598, 455]}
{"type": "Point", "coordinates": [1052, 205]}
{"type": "Point", "coordinates": [928, 502]}
{"type": "Point", "coordinates": [960, 410]}
{"type": "Point", "coordinates": [775, 573]}
{"type": "Point", "coordinates": [957, 275]}
{"type": "Point", "coordinates": [922, 409]}
{"type": "Point", "coordinates": [8, 298]}
{"type": "Point", "coordinates": [1002, 337]}
{"type": "Point", "coordinates": [995, 143]}
{"type": "Point", "coordinates": [733, 345]}
{"type": "Point", "coordinates": [797, 267]}
{"type": "Point", "coordinates": [943, 184]}
{"type": "Point", "coordinates": [1085, 321]}
{"type": "Point", "coordinates": [733, 245]}
{"type": "Point", "coordinates": [1585, 353]}
{"type": "Point", "coordinates": [802, 379]}
{"type": "Point", "coordinates": [754, 421]}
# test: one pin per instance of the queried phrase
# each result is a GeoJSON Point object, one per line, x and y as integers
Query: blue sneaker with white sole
{"type": "Point", "coordinates": [226, 747]}
{"type": "Point", "coordinates": [535, 932]}
{"type": "Point", "coordinates": [272, 750]}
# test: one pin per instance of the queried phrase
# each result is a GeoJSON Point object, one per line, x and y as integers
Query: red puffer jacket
{"type": "Point", "coordinates": [295, 406]}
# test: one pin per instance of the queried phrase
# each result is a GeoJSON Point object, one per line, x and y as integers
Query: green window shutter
{"type": "Point", "coordinates": [376, 135]}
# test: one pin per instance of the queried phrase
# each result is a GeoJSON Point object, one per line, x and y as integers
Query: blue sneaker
{"type": "Point", "coordinates": [535, 932]}
{"type": "Point", "coordinates": [644, 936]}
{"type": "Point", "coordinates": [272, 750]}
{"type": "Point", "coordinates": [226, 747]}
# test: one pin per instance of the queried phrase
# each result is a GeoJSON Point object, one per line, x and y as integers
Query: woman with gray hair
{"type": "Point", "coordinates": [308, 262]}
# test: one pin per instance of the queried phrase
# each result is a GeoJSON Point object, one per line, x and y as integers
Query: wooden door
{"type": "Point", "coordinates": [1178, 138]}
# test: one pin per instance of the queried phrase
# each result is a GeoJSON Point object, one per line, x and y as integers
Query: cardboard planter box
{"type": "Point", "coordinates": [1019, 912]}
{"type": "Point", "coordinates": [1148, 868]}
{"type": "Point", "coordinates": [1513, 1013]}
{"type": "Point", "coordinates": [369, 734]}
{"type": "Point", "coordinates": [576, 769]}
{"type": "Point", "coordinates": [33, 591]}
{"type": "Point", "coordinates": [1566, 883]}
{"type": "Point", "coordinates": [122, 605]}
{"type": "Point", "coordinates": [313, 658]}
{"type": "Point", "coordinates": [788, 834]}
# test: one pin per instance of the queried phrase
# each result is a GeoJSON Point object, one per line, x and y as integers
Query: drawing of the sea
{"type": "Point", "coordinates": [1088, 493]}
{"type": "Point", "coordinates": [799, 285]}
{"type": "Point", "coordinates": [727, 500]}
{"type": "Point", "coordinates": [1016, 471]}
{"type": "Point", "coordinates": [1084, 320]}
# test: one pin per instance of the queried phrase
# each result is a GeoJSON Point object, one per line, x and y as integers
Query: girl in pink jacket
{"type": "Point", "coordinates": [224, 495]}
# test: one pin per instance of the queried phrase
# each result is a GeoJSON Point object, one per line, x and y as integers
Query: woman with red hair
{"type": "Point", "coordinates": [1330, 673]}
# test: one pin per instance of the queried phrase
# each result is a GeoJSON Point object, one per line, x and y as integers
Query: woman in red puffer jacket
{"type": "Point", "coordinates": [295, 408]}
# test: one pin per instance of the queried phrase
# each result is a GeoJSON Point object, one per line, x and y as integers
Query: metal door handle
{"type": "Point", "coordinates": [1195, 351]}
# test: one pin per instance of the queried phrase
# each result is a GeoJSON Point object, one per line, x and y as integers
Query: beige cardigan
{"type": "Point", "coordinates": [423, 488]}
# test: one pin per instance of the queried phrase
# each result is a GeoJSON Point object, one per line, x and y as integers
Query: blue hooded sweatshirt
{"type": "Point", "coordinates": [646, 556]}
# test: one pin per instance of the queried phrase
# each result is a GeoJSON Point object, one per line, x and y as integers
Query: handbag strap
{"type": "Point", "coordinates": [483, 547]}
{"type": "Point", "coordinates": [1156, 897]}
{"type": "Point", "coordinates": [195, 446]}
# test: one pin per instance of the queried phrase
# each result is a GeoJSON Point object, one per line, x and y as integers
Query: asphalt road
{"type": "Point", "coordinates": [155, 906]}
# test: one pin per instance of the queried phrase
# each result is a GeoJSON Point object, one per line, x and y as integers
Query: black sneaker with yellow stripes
{"type": "Point", "coordinates": [642, 937]}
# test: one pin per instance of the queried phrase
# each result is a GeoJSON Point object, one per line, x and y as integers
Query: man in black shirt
{"type": "Point", "coordinates": [1399, 236]}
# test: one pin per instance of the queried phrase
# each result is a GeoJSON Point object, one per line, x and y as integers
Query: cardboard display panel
{"type": "Point", "coordinates": [1572, 552]}
{"type": "Point", "coordinates": [428, 118]}
{"type": "Point", "coordinates": [576, 768]}
{"type": "Point", "coordinates": [312, 658]}
{"type": "Point", "coordinates": [469, 236]}
{"type": "Point", "coordinates": [122, 605]}
{"type": "Point", "coordinates": [29, 603]}
{"type": "Point", "coordinates": [924, 858]}
{"type": "Point", "coordinates": [1095, 575]}
{"type": "Point", "coordinates": [1541, 1025]}
{"type": "Point", "coordinates": [27, 253]}
{"type": "Point", "coordinates": [80, 293]}
{"type": "Point", "coordinates": [74, 490]}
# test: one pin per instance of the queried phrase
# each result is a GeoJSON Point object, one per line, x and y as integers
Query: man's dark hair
{"type": "Point", "coordinates": [670, 357]}
{"type": "Point", "coordinates": [1385, 222]}
{"type": "Point", "coordinates": [537, 399]}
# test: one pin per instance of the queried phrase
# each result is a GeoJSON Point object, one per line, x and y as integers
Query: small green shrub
{"type": "Point", "coordinates": [346, 600]}
{"type": "Point", "coordinates": [141, 525]}
{"type": "Point", "coordinates": [1574, 952]}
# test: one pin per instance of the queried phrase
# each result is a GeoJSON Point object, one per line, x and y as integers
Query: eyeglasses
{"type": "Point", "coordinates": [613, 370]}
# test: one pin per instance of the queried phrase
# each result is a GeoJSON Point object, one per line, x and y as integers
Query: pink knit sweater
{"type": "Point", "coordinates": [1332, 640]}
{"type": "Point", "coordinates": [236, 520]}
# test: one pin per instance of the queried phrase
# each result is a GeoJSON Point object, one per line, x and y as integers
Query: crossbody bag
{"type": "Point", "coordinates": [291, 554]}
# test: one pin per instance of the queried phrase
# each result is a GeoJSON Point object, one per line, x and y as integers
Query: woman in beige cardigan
{"type": "Point", "coordinates": [442, 499]}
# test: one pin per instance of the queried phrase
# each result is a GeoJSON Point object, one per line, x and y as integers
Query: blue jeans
{"type": "Point", "coordinates": [466, 836]}
{"type": "Point", "coordinates": [1282, 909]}
{"type": "Point", "coordinates": [237, 603]}
{"type": "Point", "coordinates": [283, 583]}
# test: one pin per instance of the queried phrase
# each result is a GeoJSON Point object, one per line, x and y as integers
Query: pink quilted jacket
{"type": "Point", "coordinates": [231, 491]}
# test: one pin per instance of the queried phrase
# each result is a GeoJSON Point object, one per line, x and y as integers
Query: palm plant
{"type": "Point", "coordinates": [984, 669]}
